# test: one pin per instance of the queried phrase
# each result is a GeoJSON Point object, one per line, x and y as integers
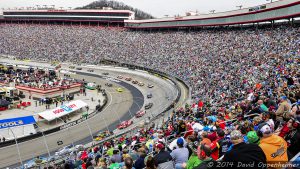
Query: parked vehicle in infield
{"type": "Point", "coordinates": [125, 124]}
{"type": "Point", "coordinates": [150, 85]}
{"type": "Point", "coordinates": [135, 82]}
{"type": "Point", "coordinates": [148, 106]}
{"type": "Point", "coordinates": [149, 95]}
{"type": "Point", "coordinates": [108, 84]}
{"type": "Point", "coordinates": [105, 73]}
{"type": "Point", "coordinates": [141, 84]}
{"type": "Point", "coordinates": [120, 77]}
{"type": "Point", "coordinates": [128, 78]}
{"type": "Point", "coordinates": [90, 70]}
{"type": "Point", "coordinates": [64, 150]}
{"type": "Point", "coordinates": [120, 89]}
{"type": "Point", "coordinates": [91, 86]}
{"type": "Point", "coordinates": [140, 113]}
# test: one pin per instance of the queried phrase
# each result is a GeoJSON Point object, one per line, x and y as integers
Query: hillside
{"type": "Point", "coordinates": [117, 5]}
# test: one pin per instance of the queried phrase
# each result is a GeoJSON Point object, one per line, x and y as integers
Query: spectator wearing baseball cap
{"type": "Point", "coordinates": [180, 155]}
{"type": "Point", "coordinates": [162, 156]}
{"type": "Point", "coordinates": [274, 147]}
{"type": "Point", "coordinates": [243, 153]}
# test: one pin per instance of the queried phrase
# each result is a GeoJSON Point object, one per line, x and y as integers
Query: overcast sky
{"type": "Point", "coordinates": [157, 8]}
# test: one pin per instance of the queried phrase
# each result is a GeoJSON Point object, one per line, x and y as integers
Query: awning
{"type": "Point", "coordinates": [63, 110]}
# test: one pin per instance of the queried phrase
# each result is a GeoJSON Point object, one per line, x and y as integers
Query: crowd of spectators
{"type": "Point", "coordinates": [245, 92]}
{"type": "Point", "coordinates": [34, 78]}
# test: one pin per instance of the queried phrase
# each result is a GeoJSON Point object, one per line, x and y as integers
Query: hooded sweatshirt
{"type": "Point", "coordinates": [275, 148]}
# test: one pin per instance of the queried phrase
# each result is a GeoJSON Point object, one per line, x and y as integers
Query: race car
{"type": "Point", "coordinates": [79, 68]}
{"type": "Point", "coordinates": [128, 78]}
{"type": "Point", "coordinates": [148, 106]}
{"type": "Point", "coordinates": [105, 73]}
{"type": "Point", "coordinates": [90, 70]}
{"type": "Point", "coordinates": [125, 124]}
{"type": "Point", "coordinates": [120, 77]}
{"type": "Point", "coordinates": [150, 86]}
{"type": "Point", "coordinates": [108, 84]}
{"type": "Point", "coordinates": [135, 82]}
{"type": "Point", "coordinates": [141, 84]}
{"type": "Point", "coordinates": [149, 95]}
{"type": "Point", "coordinates": [100, 136]}
{"type": "Point", "coordinates": [120, 89]}
{"type": "Point", "coordinates": [140, 113]}
{"type": "Point", "coordinates": [71, 67]}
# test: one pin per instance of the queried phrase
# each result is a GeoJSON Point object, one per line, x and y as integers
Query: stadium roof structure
{"type": "Point", "coordinates": [57, 15]}
{"type": "Point", "coordinates": [283, 9]}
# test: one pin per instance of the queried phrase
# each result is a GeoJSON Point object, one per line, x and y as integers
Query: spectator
{"type": "Point", "coordinates": [149, 162]}
{"type": "Point", "coordinates": [180, 155]}
{"type": "Point", "coordinates": [128, 163]}
{"type": "Point", "coordinates": [139, 163]}
{"type": "Point", "coordinates": [243, 153]}
{"type": "Point", "coordinates": [116, 156]}
{"type": "Point", "coordinates": [274, 147]}
{"type": "Point", "coordinates": [193, 159]}
{"type": "Point", "coordinates": [162, 157]}
{"type": "Point", "coordinates": [204, 153]}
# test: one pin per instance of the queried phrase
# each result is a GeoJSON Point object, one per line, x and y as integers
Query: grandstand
{"type": "Point", "coordinates": [286, 10]}
{"type": "Point", "coordinates": [115, 17]}
{"type": "Point", "coordinates": [243, 84]}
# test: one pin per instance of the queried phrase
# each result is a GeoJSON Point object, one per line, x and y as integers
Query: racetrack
{"type": "Point", "coordinates": [120, 106]}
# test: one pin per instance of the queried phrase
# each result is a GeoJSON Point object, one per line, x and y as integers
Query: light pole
{"type": "Point", "coordinates": [18, 149]}
{"type": "Point", "coordinates": [45, 141]}
{"type": "Point", "coordinates": [68, 131]}
{"type": "Point", "coordinates": [87, 124]}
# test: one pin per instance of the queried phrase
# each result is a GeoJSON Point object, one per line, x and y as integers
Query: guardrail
{"type": "Point", "coordinates": [155, 72]}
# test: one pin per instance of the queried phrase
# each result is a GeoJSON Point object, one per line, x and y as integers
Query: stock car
{"type": "Point", "coordinates": [79, 68]}
{"type": "Point", "coordinates": [148, 106]}
{"type": "Point", "coordinates": [128, 78]}
{"type": "Point", "coordinates": [149, 95]}
{"type": "Point", "coordinates": [120, 89]}
{"type": "Point", "coordinates": [71, 67]}
{"type": "Point", "coordinates": [135, 82]}
{"type": "Point", "coordinates": [100, 136]}
{"type": "Point", "coordinates": [140, 113]}
{"type": "Point", "coordinates": [64, 150]}
{"type": "Point", "coordinates": [90, 70]}
{"type": "Point", "coordinates": [120, 77]}
{"type": "Point", "coordinates": [108, 84]}
{"type": "Point", "coordinates": [105, 73]}
{"type": "Point", "coordinates": [150, 85]}
{"type": "Point", "coordinates": [125, 124]}
{"type": "Point", "coordinates": [141, 84]}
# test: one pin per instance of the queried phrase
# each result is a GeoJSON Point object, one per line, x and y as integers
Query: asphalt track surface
{"type": "Point", "coordinates": [120, 107]}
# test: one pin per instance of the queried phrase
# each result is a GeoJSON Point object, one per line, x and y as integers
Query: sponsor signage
{"type": "Point", "coordinates": [20, 121]}
{"type": "Point", "coordinates": [62, 110]}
